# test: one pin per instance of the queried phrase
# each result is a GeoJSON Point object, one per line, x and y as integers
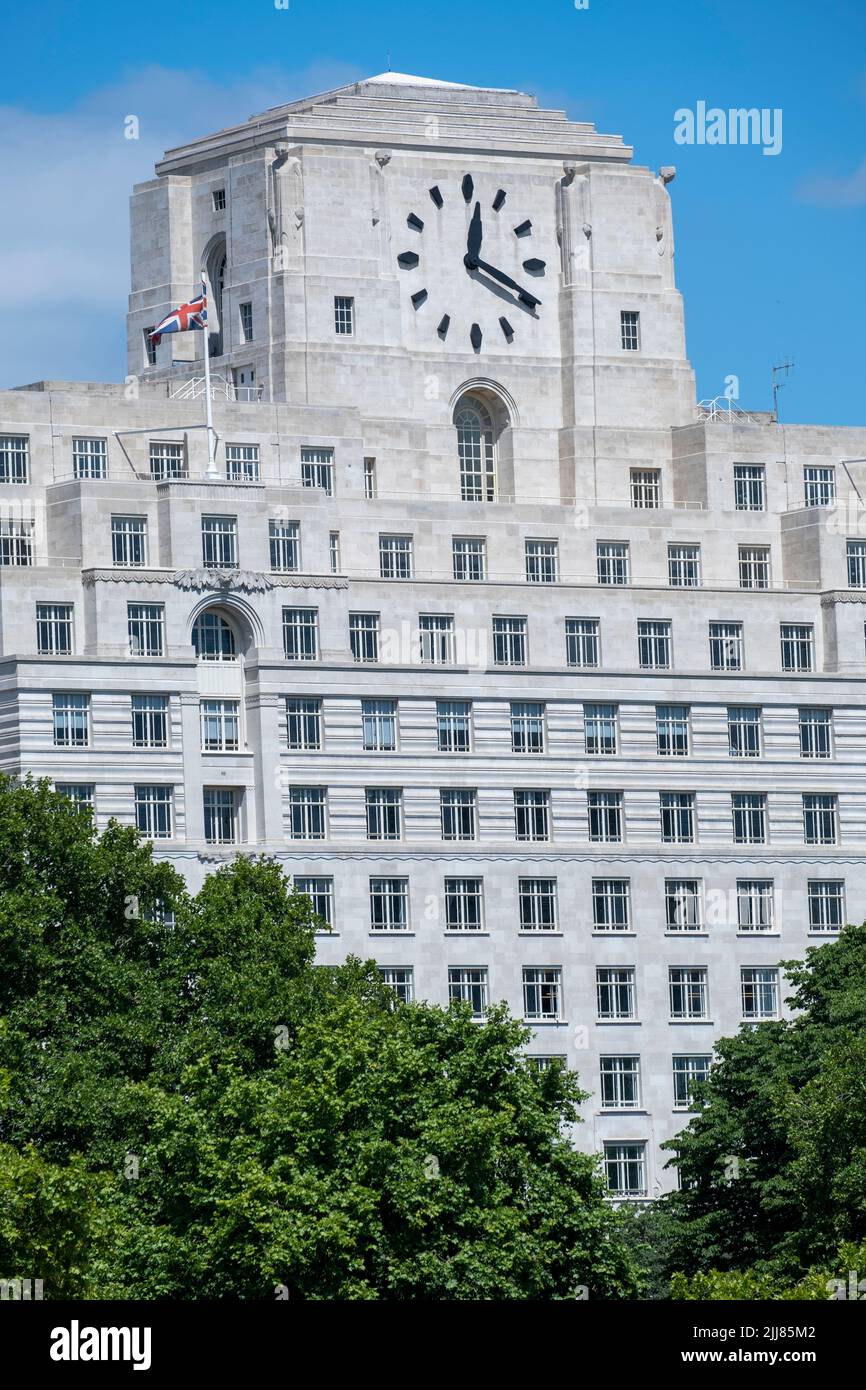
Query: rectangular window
{"type": "Point", "coordinates": [221, 815]}
{"type": "Point", "coordinates": [625, 1169]}
{"type": "Point", "coordinates": [14, 458]}
{"type": "Point", "coordinates": [527, 727]}
{"type": "Point", "coordinates": [537, 902]}
{"type": "Point", "coordinates": [754, 566]}
{"type": "Point", "coordinates": [654, 644]}
{"type": "Point", "coordinates": [150, 721]}
{"type": "Point", "coordinates": [464, 904]}
{"type": "Point", "coordinates": [468, 985]}
{"type": "Point", "coordinates": [726, 646]}
{"type": "Point", "coordinates": [154, 811]}
{"type": "Point", "coordinates": [856, 552]}
{"type": "Point", "coordinates": [629, 328]}
{"type": "Point", "coordinates": [815, 726]}
{"type": "Point", "coordinates": [615, 992]}
{"type": "Point", "coordinates": [219, 542]}
{"type": "Point", "coordinates": [684, 566]}
{"type": "Point", "coordinates": [755, 904]}
{"type": "Point", "coordinates": [400, 978]}
{"type": "Point", "coordinates": [129, 541]}
{"type": "Point", "coordinates": [395, 557]}
{"type": "Point", "coordinates": [581, 642]}
{"type": "Point", "coordinates": [542, 562]}
{"type": "Point", "coordinates": [457, 814]}
{"type": "Point", "coordinates": [620, 1083]}
{"type": "Point", "coordinates": [759, 985]}
{"type": "Point", "coordinates": [317, 469]}
{"type": "Point", "coordinates": [646, 488]}
{"type": "Point", "coordinates": [71, 715]}
{"type": "Point", "coordinates": [334, 551]}
{"type": "Point", "coordinates": [690, 1069]}
{"type": "Point", "coordinates": [610, 904]}
{"type": "Point", "coordinates": [389, 904]}
{"type": "Point", "coordinates": [819, 486]}
{"type": "Point", "coordinates": [284, 541]}
{"type": "Point", "coordinates": [16, 543]}
{"type": "Point", "coordinates": [454, 726]}
{"type": "Point", "coordinates": [605, 816]}
{"type": "Point", "coordinates": [220, 726]}
{"type": "Point", "coordinates": [384, 813]}
{"type": "Point", "coordinates": [167, 460]}
{"type": "Point", "coordinates": [308, 813]}
{"type": "Point", "coordinates": [744, 731]}
{"type": "Point", "coordinates": [82, 793]}
{"type": "Point", "coordinates": [672, 731]}
{"type": "Point", "coordinates": [749, 813]}
{"type": "Point", "coordinates": [798, 642]}
{"type": "Point", "coordinates": [320, 892]}
{"type": "Point", "coordinates": [369, 478]}
{"type": "Point", "coordinates": [303, 724]}
{"type": "Point", "coordinates": [54, 629]}
{"type": "Point", "coordinates": [820, 819]}
{"type": "Point", "coordinates": [436, 631]}
{"type": "Point", "coordinates": [364, 636]}
{"type": "Point", "coordinates": [600, 730]}
{"type": "Point", "coordinates": [301, 634]}
{"type": "Point", "coordinates": [245, 312]}
{"type": "Point", "coordinates": [612, 562]}
{"type": "Point", "coordinates": [469, 558]}
{"type": "Point", "coordinates": [683, 904]}
{"type": "Point", "coordinates": [379, 726]}
{"type": "Point", "coordinates": [344, 315]}
{"type": "Point", "coordinates": [150, 346]}
{"type": "Point", "coordinates": [826, 900]}
{"type": "Point", "coordinates": [242, 463]}
{"type": "Point", "coordinates": [532, 815]}
{"type": "Point", "coordinates": [688, 991]}
{"type": "Point", "coordinates": [219, 199]}
{"type": "Point", "coordinates": [145, 625]}
{"type": "Point", "coordinates": [542, 994]}
{"type": "Point", "coordinates": [89, 458]}
{"type": "Point", "coordinates": [749, 487]}
{"type": "Point", "coordinates": [509, 641]}
{"type": "Point", "coordinates": [677, 810]}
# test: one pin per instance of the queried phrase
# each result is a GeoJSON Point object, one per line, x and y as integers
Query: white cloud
{"type": "Point", "coordinates": [835, 191]}
{"type": "Point", "coordinates": [65, 182]}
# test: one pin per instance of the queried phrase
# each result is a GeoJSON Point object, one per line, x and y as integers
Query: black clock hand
{"type": "Point", "coordinates": [473, 240]}
{"type": "Point", "coordinates": [523, 295]}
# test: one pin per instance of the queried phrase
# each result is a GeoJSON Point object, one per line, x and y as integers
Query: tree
{"type": "Point", "coordinates": [240, 1120]}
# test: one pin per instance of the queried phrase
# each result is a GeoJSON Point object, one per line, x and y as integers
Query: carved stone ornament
{"type": "Point", "coordinates": [382, 158]}
{"type": "Point", "coordinates": [231, 581]}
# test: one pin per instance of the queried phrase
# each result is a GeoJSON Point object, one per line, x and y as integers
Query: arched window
{"type": "Point", "coordinates": [213, 638]}
{"type": "Point", "coordinates": [216, 273]}
{"type": "Point", "coordinates": [476, 451]}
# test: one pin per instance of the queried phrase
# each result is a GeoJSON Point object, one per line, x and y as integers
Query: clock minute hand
{"type": "Point", "coordinates": [524, 295]}
{"type": "Point", "coordinates": [473, 239]}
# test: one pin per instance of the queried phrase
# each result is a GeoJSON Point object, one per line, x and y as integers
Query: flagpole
{"type": "Point", "coordinates": [212, 470]}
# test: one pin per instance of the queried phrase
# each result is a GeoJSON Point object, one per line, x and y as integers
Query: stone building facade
{"type": "Point", "coordinates": [544, 682]}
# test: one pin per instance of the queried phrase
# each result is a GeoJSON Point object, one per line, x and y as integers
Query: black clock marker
{"type": "Point", "coordinates": [499, 200]}
{"type": "Point", "coordinates": [475, 336]}
{"type": "Point", "coordinates": [413, 221]}
{"type": "Point", "coordinates": [524, 229]}
{"type": "Point", "coordinates": [468, 187]}
{"type": "Point", "coordinates": [408, 260]}
{"type": "Point", "coordinates": [506, 329]}
{"type": "Point", "coordinates": [418, 298]}
{"type": "Point", "coordinates": [436, 196]}
{"type": "Point", "coordinates": [535, 267]}
{"type": "Point", "coordinates": [444, 324]}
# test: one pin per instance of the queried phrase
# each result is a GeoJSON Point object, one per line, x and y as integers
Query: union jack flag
{"type": "Point", "coordinates": [184, 317]}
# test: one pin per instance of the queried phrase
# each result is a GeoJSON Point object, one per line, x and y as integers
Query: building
{"type": "Point", "coordinates": [544, 682]}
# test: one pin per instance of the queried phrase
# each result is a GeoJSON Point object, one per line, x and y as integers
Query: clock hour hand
{"type": "Point", "coordinates": [473, 240]}
{"type": "Point", "coordinates": [523, 295]}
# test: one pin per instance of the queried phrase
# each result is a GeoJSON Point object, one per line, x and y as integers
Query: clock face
{"type": "Point", "coordinates": [485, 252]}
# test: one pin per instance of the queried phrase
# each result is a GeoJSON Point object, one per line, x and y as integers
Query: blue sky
{"type": "Point", "coordinates": [769, 248]}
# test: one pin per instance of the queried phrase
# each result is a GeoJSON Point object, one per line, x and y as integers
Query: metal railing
{"type": "Point", "coordinates": [221, 389]}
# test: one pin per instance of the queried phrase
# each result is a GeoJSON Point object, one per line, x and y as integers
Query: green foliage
{"type": "Point", "coordinates": [818, 1285]}
{"type": "Point", "coordinates": [193, 1108]}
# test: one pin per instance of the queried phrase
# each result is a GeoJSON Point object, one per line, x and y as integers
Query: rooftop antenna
{"type": "Point", "coordinates": [785, 367]}
{"type": "Point", "coordinates": [388, 59]}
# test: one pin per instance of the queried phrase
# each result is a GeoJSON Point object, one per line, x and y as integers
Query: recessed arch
{"type": "Point", "coordinates": [214, 259]}
{"type": "Point", "coordinates": [238, 613]}
{"type": "Point", "coordinates": [499, 401]}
